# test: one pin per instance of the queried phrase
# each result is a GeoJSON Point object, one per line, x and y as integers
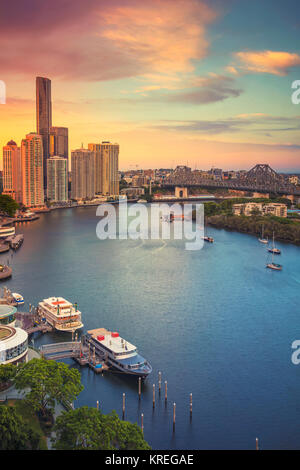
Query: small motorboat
{"type": "Point", "coordinates": [18, 298]}
{"type": "Point", "coordinates": [208, 239]}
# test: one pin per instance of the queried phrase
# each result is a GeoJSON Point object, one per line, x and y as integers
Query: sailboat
{"type": "Point", "coordinates": [262, 239]}
{"type": "Point", "coordinates": [274, 250]}
{"type": "Point", "coordinates": [272, 265]}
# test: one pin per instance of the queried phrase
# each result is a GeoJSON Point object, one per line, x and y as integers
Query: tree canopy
{"type": "Point", "coordinates": [87, 428]}
{"type": "Point", "coordinates": [44, 382]}
{"type": "Point", "coordinates": [8, 205]}
{"type": "Point", "coordinates": [15, 433]}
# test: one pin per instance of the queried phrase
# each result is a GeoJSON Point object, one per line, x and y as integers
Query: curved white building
{"type": "Point", "coordinates": [13, 345]}
{"type": "Point", "coordinates": [7, 315]}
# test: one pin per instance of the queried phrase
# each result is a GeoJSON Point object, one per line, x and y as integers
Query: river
{"type": "Point", "coordinates": [215, 322]}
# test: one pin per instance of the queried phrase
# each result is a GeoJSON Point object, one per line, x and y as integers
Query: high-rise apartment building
{"type": "Point", "coordinates": [57, 179]}
{"type": "Point", "coordinates": [59, 142]}
{"type": "Point", "coordinates": [32, 170]}
{"type": "Point", "coordinates": [106, 168]}
{"type": "Point", "coordinates": [83, 174]}
{"type": "Point", "coordinates": [12, 171]}
{"type": "Point", "coordinates": [44, 117]}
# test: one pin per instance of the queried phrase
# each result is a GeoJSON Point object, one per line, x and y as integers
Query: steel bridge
{"type": "Point", "coordinates": [261, 178]}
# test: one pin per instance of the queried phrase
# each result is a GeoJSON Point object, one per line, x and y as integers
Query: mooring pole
{"type": "Point", "coordinates": [159, 382]}
{"type": "Point", "coordinates": [140, 387]}
{"type": "Point", "coordinates": [257, 446]}
{"type": "Point", "coordinates": [191, 404]}
{"type": "Point", "coordinates": [123, 405]}
{"type": "Point", "coordinates": [153, 396]}
{"type": "Point", "coordinates": [174, 415]}
{"type": "Point", "coordinates": [98, 405]}
{"type": "Point", "coordinates": [166, 390]}
{"type": "Point", "coordinates": [142, 422]}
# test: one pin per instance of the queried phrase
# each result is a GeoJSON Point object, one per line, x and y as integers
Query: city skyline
{"type": "Point", "coordinates": [192, 82]}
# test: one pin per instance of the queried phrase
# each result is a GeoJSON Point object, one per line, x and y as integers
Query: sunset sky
{"type": "Point", "coordinates": [206, 83]}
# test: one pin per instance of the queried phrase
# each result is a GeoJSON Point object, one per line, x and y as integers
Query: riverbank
{"type": "Point", "coordinates": [285, 229]}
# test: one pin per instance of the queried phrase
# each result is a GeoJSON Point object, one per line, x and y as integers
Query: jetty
{"type": "Point", "coordinates": [77, 350]}
{"type": "Point", "coordinates": [7, 298]}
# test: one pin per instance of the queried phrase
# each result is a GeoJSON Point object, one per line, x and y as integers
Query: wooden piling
{"type": "Point", "coordinates": [159, 382]}
{"type": "Point", "coordinates": [94, 356]}
{"type": "Point", "coordinates": [98, 405]}
{"type": "Point", "coordinates": [191, 404]}
{"type": "Point", "coordinates": [257, 445]}
{"type": "Point", "coordinates": [174, 415]}
{"type": "Point", "coordinates": [166, 390]}
{"type": "Point", "coordinates": [123, 405]}
{"type": "Point", "coordinates": [153, 393]}
{"type": "Point", "coordinates": [142, 422]}
{"type": "Point", "coordinates": [140, 387]}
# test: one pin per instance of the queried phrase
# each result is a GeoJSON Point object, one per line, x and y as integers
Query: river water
{"type": "Point", "coordinates": [215, 322]}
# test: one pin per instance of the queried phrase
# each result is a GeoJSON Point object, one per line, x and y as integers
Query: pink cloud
{"type": "Point", "coordinates": [272, 62]}
{"type": "Point", "coordinates": [100, 40]}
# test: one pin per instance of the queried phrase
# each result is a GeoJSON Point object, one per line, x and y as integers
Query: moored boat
{"type": "Point", "coordinates": [118, 353]}
{"type": "Point", "coordinates": [18, 298]}
{"type": "Point", "coordinates": [61, 314]}
{"type": "Point", "coordinates": [274, 250]}
{"type": "Point", "coordinates": [276, 267]}
{"type": "Point", "coordinates": [262, 239]}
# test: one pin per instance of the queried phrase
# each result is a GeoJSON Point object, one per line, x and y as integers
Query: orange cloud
{"type": "Point", "coordinates": [163, 35]}
{"type": "Point", "coordinates": [272, 62]}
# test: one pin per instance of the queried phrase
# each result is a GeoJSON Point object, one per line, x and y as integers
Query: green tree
{"type": "Point", "coordinates": [89, 429]}
{"type": "Point", "coordinates": [7, 373]}
{"type": "Point", "coordinates": [44, 382]}
{"type": "Point", "coordinates": [15, 434]}
{"type": "Point", "coordinates": [8, 205]}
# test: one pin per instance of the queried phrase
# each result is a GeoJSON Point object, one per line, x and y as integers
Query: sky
{"type": "Point", "coordinates": [203, 83]}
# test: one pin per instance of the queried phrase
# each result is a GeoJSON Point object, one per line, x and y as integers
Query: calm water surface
{"type": "Point", "coordinates": [215, 322]}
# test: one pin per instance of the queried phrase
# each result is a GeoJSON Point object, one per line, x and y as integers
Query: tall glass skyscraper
{"type": "Point", "coordinates": [12, 171]}
{"type": "Point", "coordinates": [32, 170]}
{"type": "Point", "coordinates": [59, 142]}
{"type": "Point", "coordinates": [57, 179]}
{"type": "Point", "coordinates": [106, 168]}
{"type": "Point", "coordinates": [44, 117]}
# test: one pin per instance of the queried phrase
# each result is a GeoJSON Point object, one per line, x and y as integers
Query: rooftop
{"type": "Point", "coordinates": [115, 344]}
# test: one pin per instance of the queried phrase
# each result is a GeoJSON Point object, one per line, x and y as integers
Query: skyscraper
{"type": "Point", "coordinates": [44, 117]}
{"type": "Point", "coordinates": [12, 171]}
{"type": "Point", "coordinates": [57, 179]}
{"type": "Point", "coordinates": [83, 178]}
{"type": "Point", "coordinates": [106, 168]}
{"type": "Point", "coordinates": [32, 170]}
{"type": "Point", "coordinates": [59, 142]}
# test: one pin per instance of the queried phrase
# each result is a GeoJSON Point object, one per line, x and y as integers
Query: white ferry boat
{"type": "Point", "coordinates": [61, 314]}
{"type": "Point", "coordinates": [7, 231]}
{"type": "Point", "coordinates": [18, 298]}
{"type": "Point", "coordinates": [119, 353]}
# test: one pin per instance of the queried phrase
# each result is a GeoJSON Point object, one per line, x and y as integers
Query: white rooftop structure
{"type": "Point", "coordinates": [112, 341]}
